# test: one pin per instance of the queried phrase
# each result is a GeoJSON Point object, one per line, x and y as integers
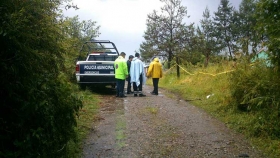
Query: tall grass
{"type": "Point", "coordinates": [204, 86]}
{"type": "Point", "coordinates": [224, 90]}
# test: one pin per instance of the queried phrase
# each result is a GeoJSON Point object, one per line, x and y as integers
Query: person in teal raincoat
{"type": "Point", "coordinates": [137, 75]}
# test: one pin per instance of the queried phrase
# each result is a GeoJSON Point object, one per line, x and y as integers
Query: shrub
{"type": "Point", "coordinates": [255, 89]}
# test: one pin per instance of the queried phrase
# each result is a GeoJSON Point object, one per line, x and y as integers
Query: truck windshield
{"type": "Point", "coordinates": [102, 58]}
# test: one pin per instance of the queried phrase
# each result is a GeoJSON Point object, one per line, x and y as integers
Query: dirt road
{"type": "Point", "coordinates": [160, 126]}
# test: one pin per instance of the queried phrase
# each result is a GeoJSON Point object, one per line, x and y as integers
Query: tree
{"type": "Point", "coordinates": [268, 22]}
{"type": "Point", "coordinates": [147, 51]}
{"type": "Point", "coordinates": [75, 33]}
{"type": "Point", "coordinates": [38, 108]}
{"type": "Point", "coordinates": [189, 44]}
{"type": "Point", "coordinates": [164, 32]}
{"type": "Point", "coordinates": [248, 36]}
{"type": "Point", "coordinates": [81, 30]}
{"type": "Point", "coordinates": [223, 24]}
{"type": "Point", "coordinates": [208, 43]}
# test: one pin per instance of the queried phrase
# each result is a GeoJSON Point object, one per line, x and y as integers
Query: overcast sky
{"type": "Point", "coordinates": [124, 21]}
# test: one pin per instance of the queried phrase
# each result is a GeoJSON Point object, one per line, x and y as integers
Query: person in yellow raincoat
{"type": "Point", "coordinates": [155, 72]}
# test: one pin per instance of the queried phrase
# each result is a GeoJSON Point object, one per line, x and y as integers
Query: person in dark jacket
{"type": "Point", "coordinates": [128, 78]}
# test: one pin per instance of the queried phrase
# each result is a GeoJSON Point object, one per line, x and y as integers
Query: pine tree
{"type": "Point", "coordinates": [224, 24]}
{"type": "Point", "coordinates": [208, 43]}
{"type": "Point", "coordinates": [164, 31]}
{"type": "Point", "coordinates": [248, 37]}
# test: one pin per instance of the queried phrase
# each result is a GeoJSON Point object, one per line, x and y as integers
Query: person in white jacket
{"type": "Point", "coordinates": [137, 74]}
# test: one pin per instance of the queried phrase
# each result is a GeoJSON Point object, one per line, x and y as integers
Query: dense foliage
{"type": "Point", "coordinates": [268, 22]}
{"type": "Point", "coordinates": [256, 87]}
{"type": "Point", "coordinates": [38, 108]}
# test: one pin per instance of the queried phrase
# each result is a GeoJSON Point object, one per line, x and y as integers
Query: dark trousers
{"type": "Point", "coordinates": [155, 84]}
{"type": "Point", "coordinates": [128, 84]}
{"type": "Point", "coordinates": [138, 88]}
{"type": "Point", "coordinates": [120, 87]}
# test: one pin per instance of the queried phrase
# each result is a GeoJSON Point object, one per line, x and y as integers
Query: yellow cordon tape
{"type": "Point", "coordinates": [201, 72]}
{"type": "Point", "coordinates": [185, 70]}
{"type": "Point", "coordinates": [170, 68]}
{"type": "Point", "coordinates": [206, 73]}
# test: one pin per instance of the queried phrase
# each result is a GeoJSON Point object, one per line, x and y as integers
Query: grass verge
{"type": "Point", "coordinates": [87, 115]}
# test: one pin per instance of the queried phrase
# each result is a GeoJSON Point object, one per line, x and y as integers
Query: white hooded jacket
{"type": "Point", "coordinates": [136, 69]}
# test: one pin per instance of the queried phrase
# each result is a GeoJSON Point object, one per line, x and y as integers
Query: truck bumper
{"type": "Point", "coordinates": [96, 79]}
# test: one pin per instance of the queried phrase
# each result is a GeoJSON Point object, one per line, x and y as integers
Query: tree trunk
{"type": "Point", "coordinates": [178, 68]}
{"type": "Point", "coordinates": [229, 49]}
{"type": "Point", "coordinates": [169, 59]}
{"type": "Point", "coordinates": [206, 60]}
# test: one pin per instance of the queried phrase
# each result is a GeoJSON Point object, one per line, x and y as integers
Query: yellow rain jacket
{"type": "Point", "coordinates": [155, 69]}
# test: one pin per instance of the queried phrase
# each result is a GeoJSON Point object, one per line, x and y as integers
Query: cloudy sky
{"type": "Point", "coordinates": [124, 21]}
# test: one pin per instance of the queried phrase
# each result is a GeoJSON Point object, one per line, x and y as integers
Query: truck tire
{"type": "Point", "coordinates": [83, 86]}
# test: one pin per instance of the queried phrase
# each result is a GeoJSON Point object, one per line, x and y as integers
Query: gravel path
{"type": "Point", "coordinates": [161, 126]}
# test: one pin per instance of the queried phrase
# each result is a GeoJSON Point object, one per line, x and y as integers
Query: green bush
{"type": "Point", "coordinates": [255, 89]}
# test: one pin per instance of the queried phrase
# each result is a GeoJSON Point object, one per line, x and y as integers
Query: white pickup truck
{"type": "Point", "coordinates": [98, 68]}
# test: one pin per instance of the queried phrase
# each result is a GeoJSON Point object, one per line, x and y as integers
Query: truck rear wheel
{"type": "Point", "coordinates": [113, 86]}
{"type": "Point", "coordinates": [82, 86]}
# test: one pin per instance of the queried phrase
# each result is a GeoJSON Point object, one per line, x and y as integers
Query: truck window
{"type": "Point", "coordinates": [102, 58]}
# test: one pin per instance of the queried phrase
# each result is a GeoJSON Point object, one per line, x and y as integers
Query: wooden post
{"type": "Point", "coordinates": [178, 68]}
